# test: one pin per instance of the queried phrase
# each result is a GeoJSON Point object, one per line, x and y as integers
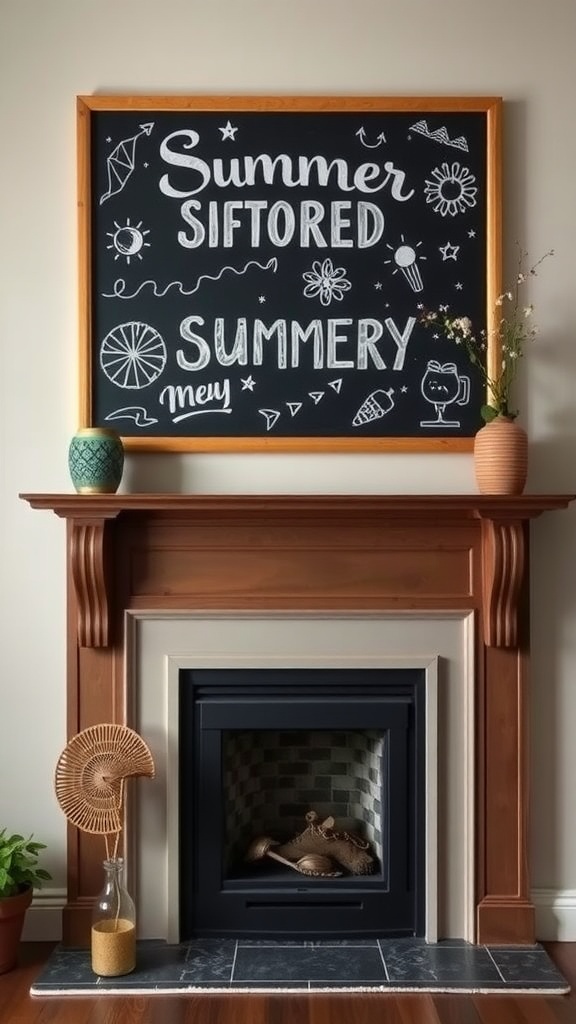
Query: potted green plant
{"type": "Point", "coordinates": [19, 876]}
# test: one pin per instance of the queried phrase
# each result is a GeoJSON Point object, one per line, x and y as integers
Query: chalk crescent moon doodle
{"type": "Point", "coordinates": [133, 412]}
{"type": "Point", "coordinates": [133, 355]}
{"type": "Point", "coordinates": [119, 287]}
{"type": "Point", "coordinates": [120, 163]}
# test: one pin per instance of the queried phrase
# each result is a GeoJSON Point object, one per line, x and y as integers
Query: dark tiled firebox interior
{"type": "Point", "coordinates": [382, 964]}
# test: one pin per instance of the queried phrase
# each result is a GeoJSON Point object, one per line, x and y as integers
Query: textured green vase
{"type": "Point", "coordinates": [96, 460]}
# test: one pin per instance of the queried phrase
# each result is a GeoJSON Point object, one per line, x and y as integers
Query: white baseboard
{"type": "Point", "coordinates": [555, 914]}
{"type": "Point", "coordinates": [43, 922]}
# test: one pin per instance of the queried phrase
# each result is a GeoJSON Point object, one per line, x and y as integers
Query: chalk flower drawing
{"type": "Point", "coordinates": [327, 281]}
{"type": "Point", "coordinates": [512, 330]}
{"type": "Point", "coordinates": [452, 191]}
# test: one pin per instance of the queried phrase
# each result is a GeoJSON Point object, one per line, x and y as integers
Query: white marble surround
{"type": "Point", "coordinates": [160, 644]}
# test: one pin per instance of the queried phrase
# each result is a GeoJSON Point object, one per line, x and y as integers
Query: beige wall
{"type": "Point", "coordinates": [51, 51]}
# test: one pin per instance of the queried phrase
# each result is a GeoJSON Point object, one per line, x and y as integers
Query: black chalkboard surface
{"type": "Point", "coordinates": [253, 269]}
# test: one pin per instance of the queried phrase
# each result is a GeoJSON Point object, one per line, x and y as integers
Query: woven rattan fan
{"type": "Point", "coordinates": [91, 773]}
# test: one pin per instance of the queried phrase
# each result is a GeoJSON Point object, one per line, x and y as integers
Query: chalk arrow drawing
{"type": "Point", "coordinates": [121, 162]}
{"type": "Point", "coordinates": [133, 412]}
{"type": "Point", "coordinates": [271, 416]}
{"type": "Point", "coordinates": [316, 396]}
{"type": "Point", "coordinates": [361, 133]}
{"type": "Point", "coordinates": [336, 384]}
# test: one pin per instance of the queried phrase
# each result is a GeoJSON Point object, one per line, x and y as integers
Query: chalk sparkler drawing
{"type": "Point", "coordinates": [119, 286]}
{"type": "Point", "coordinates": [439, 135]}
{"type": "Point", "coordinates": [121, 162]}
{"type": "Point", "coordinates": [133, 355]}
{"type": "Point", "coordinates": [405, 259]}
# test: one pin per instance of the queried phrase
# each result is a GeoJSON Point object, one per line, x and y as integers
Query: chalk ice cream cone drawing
{"type": "Point", "coordinates": [376, 405]}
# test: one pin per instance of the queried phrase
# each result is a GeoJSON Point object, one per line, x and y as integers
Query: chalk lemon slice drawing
{"type": "Point", "coordinates": [133, 355]}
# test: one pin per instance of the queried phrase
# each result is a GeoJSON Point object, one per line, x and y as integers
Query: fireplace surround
{"type": "Point", "coordinates": [380, 555]}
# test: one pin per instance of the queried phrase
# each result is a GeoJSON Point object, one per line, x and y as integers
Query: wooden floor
{"type": "Point", "coordinates": [18, 1007]}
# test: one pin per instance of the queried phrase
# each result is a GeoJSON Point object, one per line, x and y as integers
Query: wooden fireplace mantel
{"type": "Point", "coordinates": [503, 541]}
{"type": "Point", "coordinates": [380, 554]}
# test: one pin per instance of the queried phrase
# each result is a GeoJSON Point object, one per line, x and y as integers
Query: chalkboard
{"type": "Point", "coordinates": [253, 270]}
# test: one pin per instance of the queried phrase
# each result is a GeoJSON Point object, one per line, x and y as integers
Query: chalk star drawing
{"type": "Point", "coordinates": [326, 281]}
{"type": "Point", "coordinates": [403, 389]}
{"type": "Point", "coordinates": [459, 286]}
{"type": "Point", "coordinates": [471, 233]}
{"type": "Point", "coordinates": [133, 355]}
{"type": "Point", "coordinates": [361, 133]}
{"type": "Point", "coordinates": [248, 383]}
{"type": "Point", "coordinates": [133, 412]}
{"type": "Point", "coordinates": [336, 385]}
{"type": "Point", "coordinates": [294, 407]}
{"type": "Point", "coordinates": [378, 286]}
{"type": "Point", "coordinates": [439, 135]}
{"type": "Point", "coordinates": [271, 416]}
{"type": "Point", "coordinates": [119, 286]}
{"type": "Point", "coordinates": [376, 405]}
{"type": "Point", "coordinates": [452, 191]}
{"type": "Point", "coordinates": [228, 132]}
{"type": "Point", "coordinates": [449, 252]}
{"type": "Point", "coordinates": [121, 162]}
{"type": "Point", "coordinates": [316, 396]}
{"type": "Point", "coordinates": [128, 240]}
{"type": "Point", "coordinates": [261, 299]}
{"type": "Point", "coordinates": [405, 259]}
{"type": "Point", "coordinates": [444, 308]}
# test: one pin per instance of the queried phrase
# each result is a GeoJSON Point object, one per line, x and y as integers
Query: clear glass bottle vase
{"type": "Point", "coordinates": [113, 936]}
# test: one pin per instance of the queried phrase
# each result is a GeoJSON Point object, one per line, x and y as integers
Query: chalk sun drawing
{"type": "Point", "coordinates": [119, 287]}
{"type": "Point", "coordinates": [133, 412]}
{"type": "Point", "coordinates": [121, 162]}
{"type": "Point", "coordinates": [128, 240]}
{"type": "Point", "coordinates": [452, 191]}
{"type": "Point", "coordinates": [405, 258]}
{"type": "Point", "coordinates": [133, 355]}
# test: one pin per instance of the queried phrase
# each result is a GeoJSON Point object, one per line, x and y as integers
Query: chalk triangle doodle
{"type": "Point", "coordinates": [294, 407]}
{"type": "Point", "coordinates": [316, 396]}
{"type": "Point", "coordinates": [336, 384]}
{"type": "Point", "coordinates": [271, 416]}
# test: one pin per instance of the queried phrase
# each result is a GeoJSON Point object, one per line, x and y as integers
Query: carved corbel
{"type": "Point", "coordinates": [503, 563]}
{"type": "Point", "coordinates": [88, 568]}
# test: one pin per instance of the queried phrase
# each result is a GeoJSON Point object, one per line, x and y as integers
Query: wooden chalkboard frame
{"type": "Point", "coordinates": [489, 108]}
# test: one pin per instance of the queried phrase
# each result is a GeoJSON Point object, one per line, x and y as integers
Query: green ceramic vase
{"type": "Point", "coordinates": [96, 460]}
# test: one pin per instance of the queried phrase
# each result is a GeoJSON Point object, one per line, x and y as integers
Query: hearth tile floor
{"type": "Point", "coordinates": [382, 964]}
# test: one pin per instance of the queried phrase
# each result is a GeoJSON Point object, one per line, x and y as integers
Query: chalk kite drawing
{"type": "Point", "coordinates": [374, 407]}
{"type": "Point", "coordinates": [336, 385]}
{"type": "Point", "coordinates": [133, 355]}
{"type": "Point", "coordinates": [128, 240]}
{"type": "Point", "coordinates": [133, 412]}
{"type": "Point", "coordinates": [119, 287]}
{"type": "Point", "coordinates": [442, 385]}
{"type": "Point", "coordinates": [326, 281]}
{"type": "Point", "coordinates": [121, 162]}
{"type": "Point", "coordinates": [405, 258]}
{"type": "Point", "coordinates": [439, 135]}
{"type": "Point", "coordinates": [452, 191]}
{"type": "Point", "coordinates": [271, 416]}
{"type": "Point", "coordinates": [361, 133]}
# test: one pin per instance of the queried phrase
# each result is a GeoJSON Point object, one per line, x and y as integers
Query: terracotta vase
{"type": "Point", "coordinates": [501, 457]}
{"type": "Point", "coordinates": [12, 913]}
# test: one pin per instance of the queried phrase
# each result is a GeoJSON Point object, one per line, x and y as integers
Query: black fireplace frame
{"type": "Point", "coordinates": [282, 904]}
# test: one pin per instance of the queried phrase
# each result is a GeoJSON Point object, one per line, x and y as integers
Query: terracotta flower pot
{"type": "Point", "coordinates": [12, 913]}
{"type": "Point", "coordinates": [501, 457]}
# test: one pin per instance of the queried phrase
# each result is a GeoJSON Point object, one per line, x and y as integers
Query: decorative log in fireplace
{"type": "Point", "coordinates": [379, 553]}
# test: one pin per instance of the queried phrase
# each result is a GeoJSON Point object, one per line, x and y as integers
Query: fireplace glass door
{"type": "Point", "coordinates": [334, 757]}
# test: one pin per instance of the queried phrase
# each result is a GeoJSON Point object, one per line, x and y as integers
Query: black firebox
{"type": "Point", "coordinates": [261, 748]}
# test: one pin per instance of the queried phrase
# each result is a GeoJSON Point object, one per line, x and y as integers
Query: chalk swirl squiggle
{"type": "Point", "coordinates": [119, 287]}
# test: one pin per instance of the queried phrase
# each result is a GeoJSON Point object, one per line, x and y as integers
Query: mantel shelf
{"type": "Point", "coordinates": [502, 530]}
